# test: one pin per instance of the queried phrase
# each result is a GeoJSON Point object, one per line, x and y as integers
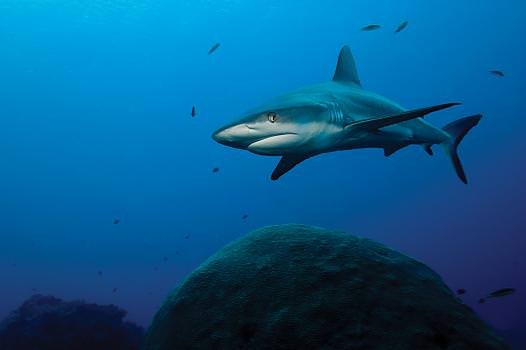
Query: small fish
{"type": "Point", "coordinates": [194, 111]}
{"type": "Point", "coordinates": [215, 170]}
{"type": "Point", "coordinates": [498, 294]}
{"type": "Point", "coordinates": [401, 27]}
{"type": "Point", "coordinates": [165, 260]}
{"type": "Point", "coordinates": [116, 221]}
{"type": "Point", "coordinates": [114, 290]}
{"type": "Point", "coordinates": [497, 73]}
{"type": "Point", "coordinates": [187, 236]}
{"type": "Point", "coordinates": [99, 273]}
{"type": "Point", "coordinates": [370, 27]}
{"type": "Point", "coordinates": [244, 217]}
{"type": "Point", "coordinates": [501, 293]}
{"type": "Point", "coordinates": [461, 291]}
{"type": "Point", "coordinates": [213, 48]}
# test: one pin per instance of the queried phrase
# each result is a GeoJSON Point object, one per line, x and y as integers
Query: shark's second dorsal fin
{"type": "Point", "coordinates": [346, 68]}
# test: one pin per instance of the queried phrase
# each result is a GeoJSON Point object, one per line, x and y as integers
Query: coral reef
{"type": "Point", "coordinates": [299, 287]}
{"type": "Point", "coordinates": [48, 323]}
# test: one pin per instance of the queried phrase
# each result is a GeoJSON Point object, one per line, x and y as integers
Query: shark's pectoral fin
{"type": "Point", "coordinates": [286, 163]}
{"type": "Point", "coordinates": [370, 125]}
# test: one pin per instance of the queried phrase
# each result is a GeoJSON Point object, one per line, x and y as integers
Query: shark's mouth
{"type": "Point", "coordinates": [263, 138]}
{"type": "Point", "coordinates": [274, 144]}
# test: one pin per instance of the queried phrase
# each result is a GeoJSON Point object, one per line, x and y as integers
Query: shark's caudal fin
{"type": "Point", "coordinates": [346, 68]}
{"type": "Point", "coordinates": [457, 130]}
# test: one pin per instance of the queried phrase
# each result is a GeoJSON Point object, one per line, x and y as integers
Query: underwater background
{"type": "Point", "coordinates": [107, 188]}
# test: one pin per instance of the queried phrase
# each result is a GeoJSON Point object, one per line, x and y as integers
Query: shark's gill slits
{"type": "Point", "coordinates": [336, 114]}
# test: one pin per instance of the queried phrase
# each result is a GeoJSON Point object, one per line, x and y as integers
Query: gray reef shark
{"type": "Point", "coordinates": [340, 115]}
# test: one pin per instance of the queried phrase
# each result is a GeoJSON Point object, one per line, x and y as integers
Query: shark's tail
{"type": "Point", "coordinates": [457, 130]}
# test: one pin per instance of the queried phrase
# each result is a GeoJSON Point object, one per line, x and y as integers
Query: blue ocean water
{"type": "Point", "coordinates": [95, 124]}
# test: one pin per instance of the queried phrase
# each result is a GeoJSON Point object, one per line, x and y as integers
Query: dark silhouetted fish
{"type": "Point", "coordinates": [116, 221]}
{"type": "Point", "coordinates": [214, 48]}
{"type": "Point", "coordinates": [165, 260]}
{"type": "Point", "coordinates": [215, 170]}
{"type": "Point", "coordinates": [244, 216]}
{"type": "Point", "coordinates": [99, 273]}
{"type": "Point", "coordinates": [194, 111]}
{"type": "Point", "coordinates": [498, 73]}
{"type": "Point", "coordinates": [401, 26]}
{"type": "Point", "coordinates": [187, 236]}
{"type": "Point", "coordinates": [501, 293]}
{"type": "Point", "coordinates": [461, 291]}
{"type": "Point", "coordinates": [114, 290]}
{"type": "Point", "coordinates": [370, 27]}
{"type": "Point", "coordinates": [498, 294]}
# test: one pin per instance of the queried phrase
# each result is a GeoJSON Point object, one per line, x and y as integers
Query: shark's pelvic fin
{"type": "Point", "coordinates": [346, 68]}
{"type": "Point", "coordinates": [286, 163]}
{"type": "Point", "coordinates": [374, 124]}
{"type": "Point", "coordinates": [388, 151]}
{"type": "Point", "coordinates": [457, 130]}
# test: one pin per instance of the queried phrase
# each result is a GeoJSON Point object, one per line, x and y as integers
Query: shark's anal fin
{"type": "Point", "coordinates": [346, 68]}
{"type": "Point", "coordinates": [428, 149]}
{"type": "Point", "coordinates": [285, 164]}
{"type": "Point", "coordinates": [373, 124]}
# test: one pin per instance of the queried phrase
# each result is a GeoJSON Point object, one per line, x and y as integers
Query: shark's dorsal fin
{"type": "Point", "coordinates": [346, 68]}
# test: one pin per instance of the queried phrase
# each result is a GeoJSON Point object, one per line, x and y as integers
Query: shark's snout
{"type": "Point", "coordinates": [238, 136]}
{"type": "Point", "coordinates": [255, 139]}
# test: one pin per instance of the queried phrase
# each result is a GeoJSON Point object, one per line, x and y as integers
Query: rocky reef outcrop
{"type": "Point", "coordinates": [48, 323]}
{"type": "Point", "coordinates": [299, 287]}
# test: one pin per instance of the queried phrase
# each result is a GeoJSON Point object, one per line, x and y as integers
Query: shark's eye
{"type": "Point", "coordinates": [272, 117]}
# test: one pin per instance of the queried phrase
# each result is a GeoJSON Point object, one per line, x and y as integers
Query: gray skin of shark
{"type": "Point", "coordinates": [339, 115]}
